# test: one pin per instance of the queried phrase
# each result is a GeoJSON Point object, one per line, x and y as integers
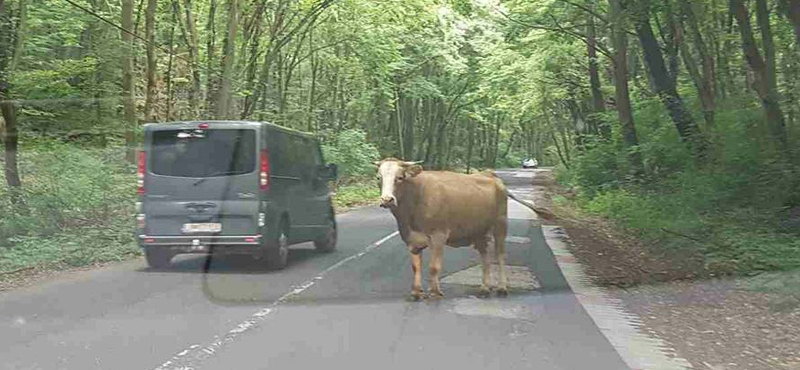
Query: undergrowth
{"type": "Point", "coordinates": [739, 206]}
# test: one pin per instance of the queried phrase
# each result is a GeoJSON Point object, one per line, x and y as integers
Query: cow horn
{"type": "Point", "coordinates": [412, 163]}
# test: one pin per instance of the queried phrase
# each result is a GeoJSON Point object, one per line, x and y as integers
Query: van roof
{"type": "Point", "coordinates": [229, 124]}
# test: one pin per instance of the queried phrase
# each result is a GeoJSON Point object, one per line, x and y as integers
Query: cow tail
{"type": "Point", "coordinates": [543, 213]}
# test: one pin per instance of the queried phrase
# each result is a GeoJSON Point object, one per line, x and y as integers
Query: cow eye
{"type": "Point", "coordinates": [400, 178]}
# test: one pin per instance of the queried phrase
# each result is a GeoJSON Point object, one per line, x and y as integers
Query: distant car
{"type": "Point", "coordinates": [530, 163]}
{"type": "Point", "coordinates": [232, 187]}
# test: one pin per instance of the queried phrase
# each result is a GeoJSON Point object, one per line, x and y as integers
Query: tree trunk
{"type": "Point", "coordinates": [496, 142]}
{"type": "Point", "coordinates": [409, 117]}
{"type": "Point", "coordinates": [150, 50]}
{"type": "Point", "coordinates": [664, 86]}
{"type": "Point", "coordinates": [211, 40]}
{"type": "Point", "coordinates": [482, 144]}
{"type": "Point", "coordinates": [194, 56]}
{"type": "Point", "coordinates": [128, 105]}
{"type": "Point", "coordinates": [223, 99]}
{"type": "Point", "coordinates": [620, 41]}
{"type": "Point", "coordinates": [10, 140]}
{"type": "Point", "coordinates": [704, 82]}
{"type": "Point", "coordinates": [598, 104]}
{"type": "Point", "coordinates": [170, 60]}
{"type": "Point", "coordinates": [470, 142]}
{"type": "Point", "coordinates": [672, 43]}
{"type": "Point", "coordinates": [510, 144]}
{"type": "Point", "coordinates": [313, 90]}
{"type": "Point", "coordinates": [793, 13]}
{"type": "Point", "coordinates": [764, 70]}
{"type": "Point", "coordinates": [11, 148]}
{"type": "Point", "coordinates": [398, 109]}
{"type": "Point", "coordinates": [12, 22]}
{"type": "Point", "coordinates": [558, 148]}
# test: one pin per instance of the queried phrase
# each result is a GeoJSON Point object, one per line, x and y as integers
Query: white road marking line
{"type": "Point", "coordinates": [193, 355]}
{"type": "Point", "coordinates": [624, 330]}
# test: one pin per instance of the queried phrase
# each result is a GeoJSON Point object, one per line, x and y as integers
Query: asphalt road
{"type": "Point", "coordinates": [346, 309]}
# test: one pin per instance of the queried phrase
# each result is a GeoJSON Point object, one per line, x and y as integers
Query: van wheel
{"type": "Point", "coordinates": [328, 242]}
{"type": "Point", "coordinates": [158, 258]}
{"type": "Point", "coordinates": [278, 249]}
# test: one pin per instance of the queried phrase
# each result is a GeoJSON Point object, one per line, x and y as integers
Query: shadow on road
{"type": "Point", "coordinates": [230, 264]}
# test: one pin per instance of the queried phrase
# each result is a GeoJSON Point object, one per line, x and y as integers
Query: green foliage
{"type": "Point", "coordinates": [356, 194]}
{"type": "Point", "coordinates": [72, 248]}
{"type": "Point", "coordinates": [353, 154]}
{"type": "Point", "coordinates": [729, 210]}
{"type": "Point", "coordinates": [66, 187]}
{"type": "Point", "coordinates": [740, 241]}
{"type": "Point", "coordinates": [78, 206]}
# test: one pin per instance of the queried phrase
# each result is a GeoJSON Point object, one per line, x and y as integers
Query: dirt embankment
{"type": "Point", "coordinates": [716, 324]}
{"type": "Point", "coordinates": [613, 257]}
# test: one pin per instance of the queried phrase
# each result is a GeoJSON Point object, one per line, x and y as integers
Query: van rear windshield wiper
{"type": "Point", "coordinates": [215, 174]}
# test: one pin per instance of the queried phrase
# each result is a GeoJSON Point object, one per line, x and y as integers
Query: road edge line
{"type": "Point", "coordinates": [197, 353]}
{"type": "Point", "coordinates": [624, 330]}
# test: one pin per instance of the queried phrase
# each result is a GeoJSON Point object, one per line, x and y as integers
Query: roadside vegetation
{"type": "Point", "coordinates": [677, 120]}
{"type": "Point", "coordinates": [78, 203]}
{"type": "Point", "coordinates": [738, 205]}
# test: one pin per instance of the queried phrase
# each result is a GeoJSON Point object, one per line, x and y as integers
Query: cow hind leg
{"type": "Point", "coordinates": [482, 246]}
{"type": "Point", "coordinates": [437, 250]}
{"type": "Point", "coordinates": [500, 254]}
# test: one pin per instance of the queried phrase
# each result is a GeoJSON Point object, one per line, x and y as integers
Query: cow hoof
{"type": "Point", "coordinates": [502, 292]}
{"type": "Point", "coordinates": [416, 296]}
{"type": "Point", "coordinates": [484, 292]}
{"type": "Point", "coordinates": [435, 294]}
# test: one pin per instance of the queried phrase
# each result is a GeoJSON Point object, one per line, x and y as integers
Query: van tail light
{"type": "Point", "coordinates": [263, 175]}
{"type": "Point", "coordinates": [140, 172]}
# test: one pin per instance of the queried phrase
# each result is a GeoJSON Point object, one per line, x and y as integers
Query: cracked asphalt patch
{"type": "Point", "coordinates": [520, 278]}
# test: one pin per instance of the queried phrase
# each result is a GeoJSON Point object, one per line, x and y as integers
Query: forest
{"type": "Point", "coordinates": [678, 120]}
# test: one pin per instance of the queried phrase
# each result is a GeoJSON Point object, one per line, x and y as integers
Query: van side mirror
{"type": "Point", "coordinates": [330, 172]}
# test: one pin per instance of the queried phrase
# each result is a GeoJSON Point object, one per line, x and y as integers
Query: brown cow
{"type": "Point", "coordinates": [438, 208]}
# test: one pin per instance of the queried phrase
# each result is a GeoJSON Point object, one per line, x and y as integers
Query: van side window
{"type": "Point", "coordinates": [277, 157]}
{"type": "Point", "coordinates": [294, 155]}
{"type": "Point", "coordinates": [317, 154]}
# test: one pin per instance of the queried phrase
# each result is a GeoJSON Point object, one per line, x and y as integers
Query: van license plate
{"type": "Point", "coordinates": [208, 227]}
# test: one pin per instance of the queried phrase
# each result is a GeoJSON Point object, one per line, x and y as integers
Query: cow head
{"type": "Point", "coordinates": [393, 172]}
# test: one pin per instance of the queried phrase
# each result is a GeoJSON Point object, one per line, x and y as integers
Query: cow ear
{"type": "Point", "coordinates": [377, 163]}
{"type": "Point", "coordinates": [412, 171]}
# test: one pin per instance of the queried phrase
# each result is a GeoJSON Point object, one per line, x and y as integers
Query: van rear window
{"type": "Point", "coordinates": [203, 153]}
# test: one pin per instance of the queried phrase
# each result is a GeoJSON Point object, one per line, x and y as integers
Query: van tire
{"type": "Point", "coordinates": [158, 258]}
{"type": "Point", "coordinates": [277, 253]}
{"type": "Point", "coordinates": [327, 243]}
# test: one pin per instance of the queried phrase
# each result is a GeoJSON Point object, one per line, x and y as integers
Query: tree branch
{"type": "Point", "coordinates": [587, 10]}
{"type": "Point", "coordinates": [558, 28]}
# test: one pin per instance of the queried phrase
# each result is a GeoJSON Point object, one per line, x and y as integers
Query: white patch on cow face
{"type": "Point", "coordinates": [391, 173]}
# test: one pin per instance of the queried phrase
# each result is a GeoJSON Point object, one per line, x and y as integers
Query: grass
{"type": "Point", "coordinates": [741, 241]}
{"type": "Point", "coordinates": [77, 209]}
{"type": "Point", "coordinates": [71, 248]}
{"type": "Point", "coordinates": [356, 194]}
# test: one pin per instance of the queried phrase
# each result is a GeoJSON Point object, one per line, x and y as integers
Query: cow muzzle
{"type": "Point", "coordinates": [388, 201]}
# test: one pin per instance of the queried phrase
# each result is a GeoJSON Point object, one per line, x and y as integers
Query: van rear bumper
{"type": "Point", "coordinates": [190, 241]}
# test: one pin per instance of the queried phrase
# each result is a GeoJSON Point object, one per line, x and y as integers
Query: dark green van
{"type": "Point", "coordinates": [229, 187]}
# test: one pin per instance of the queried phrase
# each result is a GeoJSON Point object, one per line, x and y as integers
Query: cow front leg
{"type": "Point", "coordinates": [416, 267]}
{"type": "Point", "coordinates": [482, 246]}
{"type": "Point", "coordinates": [437, 250]}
